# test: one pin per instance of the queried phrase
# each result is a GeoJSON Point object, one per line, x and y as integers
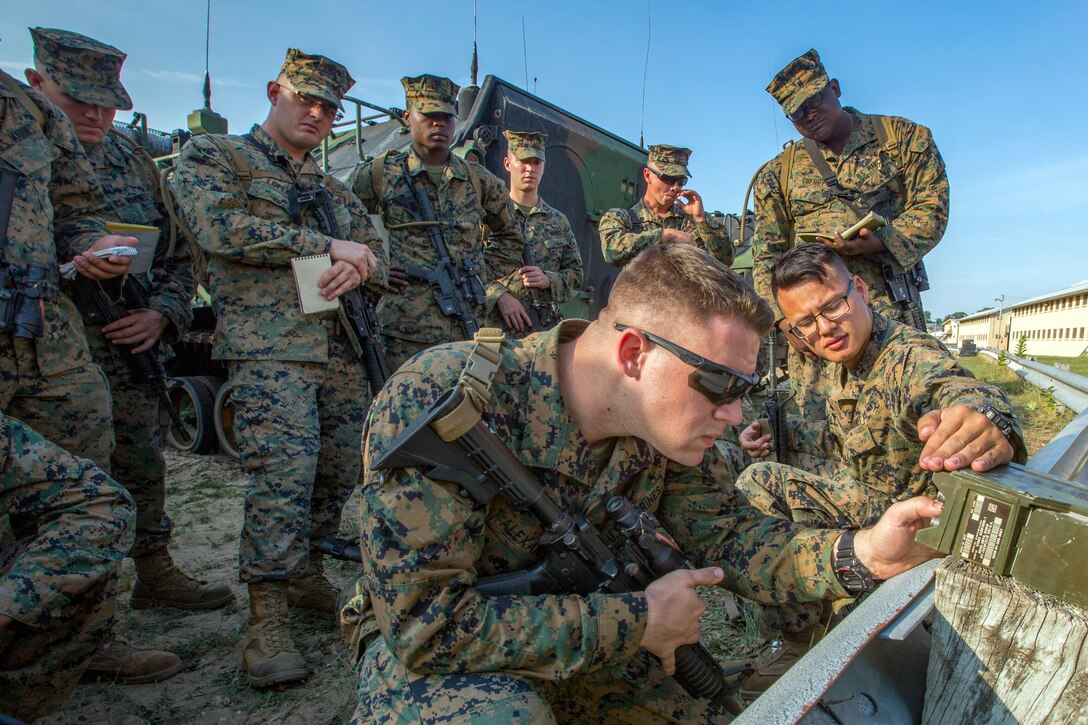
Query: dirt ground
{"type": "Point", "coordinates": [205, 497]}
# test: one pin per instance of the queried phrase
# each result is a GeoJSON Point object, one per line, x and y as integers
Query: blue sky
{"type": "Point", "coordinates": [1001, 84]}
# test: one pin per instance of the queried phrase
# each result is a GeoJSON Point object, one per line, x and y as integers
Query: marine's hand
{"type": "Point", "coordinates": [104, 267]}
{"type": "Point", "coordinates": [795, 342]}
{"type": "Point", "coordinates": [755, 444]}
{"type": "Point", "coordinates": [535, 277]}
{"type": "Point", "coordinates": [888, 547]}
{"type": "Point", "coordinates": [355, 254]}
{"type": "Point", "coordinates": [673, 609]}
{"type": "Point", "coordinates": [141, 328]}
{"type": "Point", "coordinates": [514, 314]}
{"type": "Point", "coordinates": [398, 279]}
{"type": "Point", "coordinates": [338, 279]}
{"type": "Point", "coordinates": [959, 437]}
{"type": "Point", "coordinates": [676, 236]}
{"type": "Point", "coordinates": [866, 242]}
{"type": "Point", "coordinates": [692, 203]}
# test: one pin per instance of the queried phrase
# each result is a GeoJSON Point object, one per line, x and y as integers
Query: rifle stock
{"type": "Point", "coordinates": [543, 309]}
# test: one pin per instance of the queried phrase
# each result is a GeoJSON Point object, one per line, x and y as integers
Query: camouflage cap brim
{"type": "Point", "coordinates": [86, 69]}
{"type": "Point", "coordinates": [310, 89]}
{"type": "Point", "coordinates": [112, 95]}
{"type": "Point", "coordinates": [801, 79]}
{"type": "Point", "coordinates": [431, 105]}
{"type": "Point", "coordinates": [669, 169]}
{"type": "Point", "coordinates": [528, 153]}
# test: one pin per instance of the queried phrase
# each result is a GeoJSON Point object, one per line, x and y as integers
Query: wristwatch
{"type": "Point", "coordinates": [1002, 421]}
{"type": "Point", "coordinates": [852, 574]}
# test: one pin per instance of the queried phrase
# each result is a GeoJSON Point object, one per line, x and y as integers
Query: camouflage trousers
{"type": "Point", "coordinates": [139, 424]}
{"type": "Point", "coordinates": [53, 385]}
{"type": "Point", "coordinates": [638, 692]}
{"type": "Point", "coordinates": [398, 350]}
{"type": "Point", "coordinates": [826, 498]}
{"type": "Point", "coordinates": [299, 429]}
{"type": "Point", "coordinates": [60, 583]}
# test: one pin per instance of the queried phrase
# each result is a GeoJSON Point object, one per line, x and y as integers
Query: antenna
{"type": "Point", "coordinates": [205, 120]}
{"type": "Point", "coordinates": [474, 69]}
{"type": "Point", "coordinates": [645, 71]}
{"type": "Point", "coordinates": [524, 52]}
{"type": "Point", "coordinates": [207, 55]}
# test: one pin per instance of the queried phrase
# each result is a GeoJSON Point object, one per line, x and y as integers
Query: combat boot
{"type": "Point", "coordinates": [313, 591]}
{"type": "Point", "coordinates": [778, 656]}
{"type": "Point", "coordinates": [269, 657]}
{"type": "Point", "coordinates": [119, 662]}
{"type": "Point", "coordinates": [159, 583]}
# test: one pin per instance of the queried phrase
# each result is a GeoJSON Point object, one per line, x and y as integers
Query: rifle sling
{"type": "Point", "coordinates": [7, 199]}
{"type": "Point", "coordinates": [475, 383]}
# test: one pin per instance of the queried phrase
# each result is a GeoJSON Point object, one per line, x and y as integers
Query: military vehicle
{"type": "Point", "coordinates": [590, 170]}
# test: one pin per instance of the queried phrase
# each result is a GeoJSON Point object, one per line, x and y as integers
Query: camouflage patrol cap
{"type": "Point", "coordinates": [85, 69]}
{"type": "Point", "coordinates": [431, 94]}
{"type": "Point", "coordinates": [799, 81]}
{"type": "Point", "coordinates": [315, 75]}
{"type": "Point", "coordinates": [670, 160]}
{"type": "Point", "coordinates": [525, 144]}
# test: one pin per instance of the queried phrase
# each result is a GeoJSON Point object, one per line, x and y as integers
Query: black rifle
{"type": "Point", "coordinates": [98, 308]}
{"type": "Point", "coordinates": [577, 557]}
{"type": "Point", "coordinates": [543, 309]}
{"type": "Point", "coordinates": [772, 414]}
{"type": "Point", "coordinates": [356, 306]}
{"type": "Point", "coordinates": [904, 288]}
{"type": "Point", "coordinates": [456, 288]}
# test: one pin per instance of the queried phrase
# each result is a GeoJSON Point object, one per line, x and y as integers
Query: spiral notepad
{"type": "Point", "coordinates": [307, 271]}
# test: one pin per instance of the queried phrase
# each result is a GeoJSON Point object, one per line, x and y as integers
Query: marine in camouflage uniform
{"type": "Point", "coordinates": [439, 650]}
{"type": "Point", "coordinates": [410, 319]}
{"type": "Point", "coordinates": [300, 390]}
{"type": "Point", "coordinates": [899, 408]}
{"type": "Point", "coordinates": [659, 217]}
{"type": "Point", "coordinates": [887, 161]}
{"type": "Point", "coordinates": [129, 180]}
{"type": "Point", "coordinates": [534, 291]}
{"type": "Point", "coordinates": [58, 587]}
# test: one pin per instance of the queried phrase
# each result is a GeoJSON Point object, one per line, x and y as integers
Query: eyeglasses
{"type": "Point", "coordinates": [719, 384]}
{"type": "Point", "coordinates": [669, 180]}
{"type": "Point", "coordinates": [807, 327]}
{"type": "Point", "coordinates": [326, 108]}
{"type": "Point", "coordinates": [809, 105]}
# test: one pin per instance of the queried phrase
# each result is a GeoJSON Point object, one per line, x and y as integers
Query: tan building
{"type": "Point", "coordinates": [1052, 324]}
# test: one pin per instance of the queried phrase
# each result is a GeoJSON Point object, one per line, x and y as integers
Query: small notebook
{"type": "Point", "coordinates": [307, 271]}
{"type": "Point", "coordinates": [147, 242]}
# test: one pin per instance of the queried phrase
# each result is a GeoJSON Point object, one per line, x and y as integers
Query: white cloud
{"type": "Point", "coordinates": [172, 76]}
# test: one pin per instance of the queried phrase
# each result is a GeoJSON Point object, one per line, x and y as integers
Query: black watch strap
{"type": "Point", "coordinates": [999, 419]}
{"type": "Point", "coordinates": [852, 574]}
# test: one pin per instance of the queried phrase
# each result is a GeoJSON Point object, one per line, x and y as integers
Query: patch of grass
{"type": "Point", "coordinates": [210, 489]}
{"type": "Point", "coordinates": [729, 638]}
{"type": "Point", "coordinates": [1078, 365]}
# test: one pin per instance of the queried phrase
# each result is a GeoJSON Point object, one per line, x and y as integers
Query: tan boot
{"type": "Point", "coordinates": [313, 591]}
{"type": "Point", "coordinates": [269, 656]}
{"type": "Point", "coordinates": [159, 583]}
{"type": "Point", "coordinates": [119, 662]}
{"type": "Point", "coordinates": [777, 657]}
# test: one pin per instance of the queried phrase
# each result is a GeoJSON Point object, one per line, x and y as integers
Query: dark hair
{"type": "Point", "coordinates": [679, 281]}
{"type": "Point", "coordinates": [810, 262]}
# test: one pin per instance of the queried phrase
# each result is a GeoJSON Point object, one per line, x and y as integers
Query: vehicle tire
{"type": "Point", "coordinates": [224, 421]}
{"type": "Point", "coordinates": [195, 404]}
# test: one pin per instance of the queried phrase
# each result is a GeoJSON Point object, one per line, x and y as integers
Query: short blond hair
{"type": "Point", "coordinates": [682, 282]}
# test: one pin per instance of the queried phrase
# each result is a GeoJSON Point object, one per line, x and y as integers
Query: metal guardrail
{"type": "Point", "coordinates": [871, 668]}
{"type": "Point", "coordinates": [1070, 389]}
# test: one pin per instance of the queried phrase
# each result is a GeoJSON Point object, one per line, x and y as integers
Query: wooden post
{"type": "Point", "coordinates": [1004, 653]}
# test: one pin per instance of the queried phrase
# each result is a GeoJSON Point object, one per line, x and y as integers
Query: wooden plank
{"type": "Point", "coordinates": [1004, 653]}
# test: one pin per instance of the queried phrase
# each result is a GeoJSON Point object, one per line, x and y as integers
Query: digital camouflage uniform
{"type": "Point", "coordinates": [867, 445]}
{"type": "Point", "coordinates": [410, 319]}
{"type": "Point", "coordinates": [59, 585]}
{"type": "Point", "coordinates": [546, 231]}
{"type": "Point", "coordinates": [300, 391]}
{"type": "Point", "coordinates": [910, 166]}
{"type": "Point", "coordinates": [622, 237]}
{"type": "Point", "coordinates": [130, 183]}
{"type": "Point", "coordinates": [51, 383]}
{"type": "Point", "coordinates": [447, 654]}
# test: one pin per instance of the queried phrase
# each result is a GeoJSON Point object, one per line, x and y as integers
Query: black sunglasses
{"type": "Point", "coordinates": [669, 180]}
{"type": "Point", "coordinates": [718, 384]}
